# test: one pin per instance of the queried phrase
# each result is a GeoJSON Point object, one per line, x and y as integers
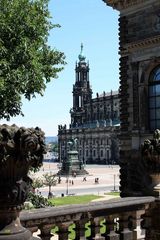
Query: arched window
{"type": "Point", "coordinates": [154, 99]}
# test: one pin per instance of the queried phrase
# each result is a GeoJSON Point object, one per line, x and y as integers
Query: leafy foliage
{"type": "Point", "coordinates": [52, 147]}
{"type": "Point", "coordinates": [37, 183]}
{"type": "Point", "coordinates": [50, 180]}
{"type": "Point", "coordinates": [27, 63]}
{"type": "Point", "coordinates": [55, 147]}
{"type": "Point", "coordinates": [38, 201]}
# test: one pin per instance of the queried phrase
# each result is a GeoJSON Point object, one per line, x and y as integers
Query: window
{"type": "Point", "coordinates": [86, 153]}
{"type": "Point", "coordinates": [80, 101]}
{"type": "Point", "coordinates": [154, 99]}
{"type": "Point", "coordinates": [62, 153]}
{"type": "Point", "coordinates": [101, 153]}
{"type": "Point", "coordinates": [107, 154]}
{"type": "Point", "coordinates": [94, 153]}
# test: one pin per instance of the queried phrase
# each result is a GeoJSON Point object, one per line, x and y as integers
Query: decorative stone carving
{"type": "Point", "coordinates": [20, 150]}
{"type": "Point", "coordinates": [150, 151]}
{"type": "Point", "coordinates": [122, 4]}
{"type": "Point", "coordinates": [140, 44]}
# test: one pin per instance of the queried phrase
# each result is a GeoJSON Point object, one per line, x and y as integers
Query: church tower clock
{"type": "Point", "coordinates": [82, 92]}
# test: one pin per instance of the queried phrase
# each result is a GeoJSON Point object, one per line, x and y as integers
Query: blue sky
{"type": "Point", "coordinates": [94, 24]}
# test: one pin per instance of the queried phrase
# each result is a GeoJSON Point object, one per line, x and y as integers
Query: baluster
{"type": "Point", "coordinates": [138, 232]}
{"type": "Point", "coordinates": [63, 230]}
{"type": "Point", "coordinates": [33, 230]}
{"type": "Point", "coordinates": [46, 232]}
{"type": "Point", "coordinates": [111, 228]}
{"type": "Point", "coordinates": [147, 223]}
{"type": "Point", "coordinates": [125, 233]}
{"type": "Point", "coordinates": [95, 229]}
{"type": "Point", "coordinates": [80, 229]}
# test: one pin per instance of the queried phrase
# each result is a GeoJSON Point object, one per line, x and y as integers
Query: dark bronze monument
{"type": "Point", "coordinates": [20, 150]}
{"type": "Point", "coordinates": [72, 165]}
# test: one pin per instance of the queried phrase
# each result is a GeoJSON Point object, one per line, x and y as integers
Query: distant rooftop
{"type": "Point", "coordinates": [108, 93]}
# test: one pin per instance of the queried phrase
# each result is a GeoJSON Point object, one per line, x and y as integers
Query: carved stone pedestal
{"type": "Point", "coordinates": [11, 228]}
{"type": "Point", "coordinates": [156, 184]}
{"type": "Point", "coordinates": [150, 151]}
{"type": "Point", "coordinates": [20, 150]}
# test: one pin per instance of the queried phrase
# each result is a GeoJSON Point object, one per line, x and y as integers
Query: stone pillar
{"type": "Point", "coordinates": [80, 229]}
{"type": "Point", "coordinates": [153, 213]}
{"type": "Point", "coordinates": [63, 231]}
{"type": "Point", "coordinates": [95, 229]}
{"type": "Point", "coordinates": [111, 229]}
{"type": "Point", "coordinates": [138, 232]}
{"type": "Point", "coordinates": [125, 233]}
{"type": "Point", "coordinates": [46, 232]}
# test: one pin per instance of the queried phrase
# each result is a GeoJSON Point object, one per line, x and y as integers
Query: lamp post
{"type": "Point", "coordinates": [114, 189]}
{"type": "Point", "coordinates": [68, 167]}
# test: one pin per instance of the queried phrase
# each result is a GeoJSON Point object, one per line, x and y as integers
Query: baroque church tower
{"type": "Point", "coordinates": [82, 92]}
{"type": "Point", "coordinates": [97, 140]}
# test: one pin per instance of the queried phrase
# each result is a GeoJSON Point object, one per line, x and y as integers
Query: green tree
{"type": "Point", "coordinates": [54, 147]}
{"type": "Point", "coordinates": [37, 182]}
{"type": "Point", "coordinates": [50, 180]}
{"type": "Point", "coordinates": [27, 63]}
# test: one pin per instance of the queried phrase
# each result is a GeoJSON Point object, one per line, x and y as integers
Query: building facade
{"type": "Point", "coordinates": [94, 121]}
{"type": "Point", "coordinates": [139, 36]}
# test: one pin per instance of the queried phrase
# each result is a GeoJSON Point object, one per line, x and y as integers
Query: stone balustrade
{"type": "Point", "coordinates": [120, 219]}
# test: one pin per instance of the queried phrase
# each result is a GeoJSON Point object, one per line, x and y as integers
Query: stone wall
{"type": "Point", "coordinates": [139, 41]}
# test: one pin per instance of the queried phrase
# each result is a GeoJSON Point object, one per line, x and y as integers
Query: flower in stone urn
{"type": "Point", "coordinates": [20, 150]}
{"type": "Point", "coordinates": [150, 151]}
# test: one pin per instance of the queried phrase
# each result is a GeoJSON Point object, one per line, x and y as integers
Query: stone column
{"type": "Point", "coordinates": [124, 231]}
{"type": "Point", "coordinates": [111, 228]}
{"type": "Point", "coordinates": [46, 232]}
{"type": "Point", "coordinates": [80, 229]}
{"type": "Point", "coordinates": [138, 232]}
{"type": "Point", "coordinates": [63, 231]}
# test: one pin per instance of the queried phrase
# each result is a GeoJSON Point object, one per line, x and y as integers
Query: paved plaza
{"type": "Point", "coordinates": [108, 179]}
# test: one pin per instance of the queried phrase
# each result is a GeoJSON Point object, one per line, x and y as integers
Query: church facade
{"type": "Point", "coordinates": [94, 121]}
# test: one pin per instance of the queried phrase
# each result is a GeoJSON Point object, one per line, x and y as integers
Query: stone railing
{"type": "Point", "coordinates": [123, 218]}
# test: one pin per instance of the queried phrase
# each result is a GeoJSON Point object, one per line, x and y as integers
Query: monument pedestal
{"type": "Point", "coordinates": [72, 166]}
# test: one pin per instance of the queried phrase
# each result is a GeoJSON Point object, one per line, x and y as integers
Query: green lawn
{"type": "Point", "coordinates": [73, 199]}
{"type": "Point", "coordinates": [113, 193]}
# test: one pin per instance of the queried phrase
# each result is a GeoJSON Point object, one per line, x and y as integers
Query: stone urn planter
{"type": "Point", "coordinates": [151, 160]}
{"type": "Point", "coordinates": [20, 150]}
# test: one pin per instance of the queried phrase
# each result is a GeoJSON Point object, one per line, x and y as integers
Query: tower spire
{"type": "Point", "coordinates": [81, 48]}
{"type": "Point", "coordinates": [81, 56]}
